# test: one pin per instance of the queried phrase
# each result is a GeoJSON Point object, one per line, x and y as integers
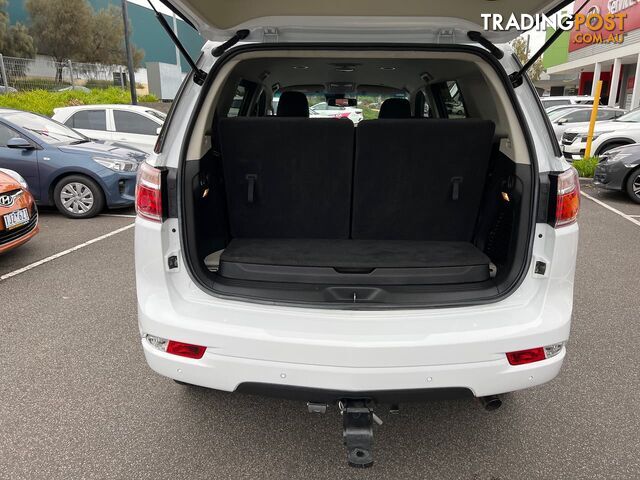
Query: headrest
{"type": "Point", "coordinates": [395, 108]}
{"type": "Point", "coordinates": [293, 104]}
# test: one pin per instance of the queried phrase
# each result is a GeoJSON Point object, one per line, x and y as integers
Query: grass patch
{"type": "Point", "coordinates": [586, 167]}
{"type": "Point", "coordinates": [43, 102]}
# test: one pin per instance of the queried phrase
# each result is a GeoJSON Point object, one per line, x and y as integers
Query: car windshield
{"type": "Point", "coordinates": [158, 115]}
{"type": "Point", "coordinates": [556, 114]}
{"type": "Point", "coordinates": [630, 117]}
{"type": "Point", "coordinates": [45, 129]}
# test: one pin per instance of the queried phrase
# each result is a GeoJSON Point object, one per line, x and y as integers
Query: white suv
{"type": "Point", "coordinates": [608, 135]}
{"type": "Point", "coordinates": [405, 258]}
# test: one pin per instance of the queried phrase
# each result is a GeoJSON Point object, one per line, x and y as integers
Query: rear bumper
{"type": "Point", "coordinates": [328, 383]}
{"type": "Point", "coordinates": [355, 350]}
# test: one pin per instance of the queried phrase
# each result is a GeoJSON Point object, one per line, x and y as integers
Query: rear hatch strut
{"type": "Point", "coordinates": [199, 76]}
{"type": "Point", "coordinates": [517, 77]}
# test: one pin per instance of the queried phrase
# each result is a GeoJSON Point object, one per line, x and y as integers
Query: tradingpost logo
{"type": "Point", "coordinates": [586, 28]}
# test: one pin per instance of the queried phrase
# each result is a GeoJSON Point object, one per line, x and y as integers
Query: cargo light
{"type": "Point", "coordinates": [148, 193]}
{"type": "Point", "coordinates": [181, 349]}
{"type": "Point", "coordinates": [522, 357]}
{"type": "Point", "coordinates": [567, 201]}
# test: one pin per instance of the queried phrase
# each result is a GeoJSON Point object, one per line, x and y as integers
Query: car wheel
{"type": "Point", "coordinates": [633, 186]}
{"type": "Point", "coordinates": [609, 146]}
{"type": "Point", "coordinates": [77, 196]}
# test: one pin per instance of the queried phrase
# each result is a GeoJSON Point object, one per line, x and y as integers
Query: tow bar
{"type": "Point", "coordinates": [358, 418]}
{"type": "Point", "coordinates": [357, 431]}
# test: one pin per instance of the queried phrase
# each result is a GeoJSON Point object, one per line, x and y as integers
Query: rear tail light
{"type": "Point", "coordinates": [567, 198]}
{"type": "Point", "coordinates": [181, 349]}
{"type": "Point", "coordinates": [522, 357]}
{"type": "Point", "coordinates": [148, 193]}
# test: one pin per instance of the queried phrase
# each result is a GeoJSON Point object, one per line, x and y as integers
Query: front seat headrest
{"type": "Point", "coordinates": [395, 108]}
{"type": "Point", "coordinates": [293, 104]}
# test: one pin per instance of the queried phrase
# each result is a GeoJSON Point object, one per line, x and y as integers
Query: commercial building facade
{"type": "Point", "coordinates": [577, 61]}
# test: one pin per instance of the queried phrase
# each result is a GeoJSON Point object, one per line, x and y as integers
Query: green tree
{"type": "Point", "coordinates": [521, 49]}
{"type": "Point", "coordinates": [15, 40]}
{"type": "Point", "coordinates": [106, 44]}
{"type": "Point", "coordinates": [60, 28]}
{"type": "Point", "coordinates": [19, 43]}
{"type": "Point", "coordinates": [72, 30]}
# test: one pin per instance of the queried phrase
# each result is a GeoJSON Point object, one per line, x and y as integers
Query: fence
{"type": "Point", "coordinates": [43, 73]}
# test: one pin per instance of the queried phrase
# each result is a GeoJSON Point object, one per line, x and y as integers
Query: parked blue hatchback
{"type": "Point", "coordinates": [66, 169]}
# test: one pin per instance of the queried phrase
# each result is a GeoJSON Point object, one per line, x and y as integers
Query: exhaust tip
{"type": "Point", "coordinates": [491, 402]}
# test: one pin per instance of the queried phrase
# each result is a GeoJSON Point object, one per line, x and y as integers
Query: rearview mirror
{"type": "Point", "coordinates": [158, 130]}
{"type": "Point", "coordinates": [562, 121]}
{"type": "Point", "coordinates": [342, 102]}
{"type": "Point", "coordinates": [18, 142]}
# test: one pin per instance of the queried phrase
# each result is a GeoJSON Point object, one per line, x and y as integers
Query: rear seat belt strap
{"type": "Point", "coordinates": [455, 190]}
{"type": "Point", "coordinates": [251, 186]}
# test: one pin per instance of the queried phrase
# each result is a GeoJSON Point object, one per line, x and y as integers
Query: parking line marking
{"type": "Point", "coordinates": [119, 215]}
{"type": "Point", "coordinates": [614, 210]}
{"type": "Point", "coordinates": [64, 252]}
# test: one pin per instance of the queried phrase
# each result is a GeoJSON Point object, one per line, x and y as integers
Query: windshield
{"type": "Point", "coordinates": [556, 114]}
{"type": "Point", "coordinates": [158, 115]}
{"type": "Point", "coordinates": [45, 129]}
{"type": "Point", "coordinates": [633, 116]}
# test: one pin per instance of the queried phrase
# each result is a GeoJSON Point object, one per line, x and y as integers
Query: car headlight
{"type": "Point", "coordinates": [117, 164]}
{"type": "Point", "coordinates": [583, 138]}
{"type": "Point", "coordinates": [16, 176]}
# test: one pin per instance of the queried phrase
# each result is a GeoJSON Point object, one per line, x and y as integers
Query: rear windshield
{"type": "Point", "coordinates": [367, 105]}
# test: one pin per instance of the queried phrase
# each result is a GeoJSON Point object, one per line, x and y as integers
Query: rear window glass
{"type": "Point", "coordinates": [128, 122]}
{"type": "Point", "coordinates": [236, 104]}
{"type": "Point", "coordinates": [452, 100]}
{"type": "Point", "coordinates": [553, 103]}
{"type": "Point", "coordinates": [88, 120]}
{"type": "Point", "coordinates": [366, 108]}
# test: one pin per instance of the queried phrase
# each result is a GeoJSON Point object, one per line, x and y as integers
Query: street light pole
{"type": "Point", "coordinates": [127, 46]}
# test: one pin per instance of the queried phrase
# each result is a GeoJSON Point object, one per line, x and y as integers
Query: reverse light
{"type": "Point", "coordinates": [522, 357]}
{"type": "Point", "coordinates": [181, 349]}
{"type": "Point", "coordinates": [567, 198]}
{"type": "Point", "coordinates": [148, 194]}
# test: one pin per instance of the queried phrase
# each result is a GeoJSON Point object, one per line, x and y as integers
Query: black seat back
{"type": "Point", "coordinates": [418, 179]}
{"type": "Point", "coordinates": [287, 177]}
{"type": "Point", "coordinates": [293, 104]}
{"type": "Point", "coordinates": [395, 108]}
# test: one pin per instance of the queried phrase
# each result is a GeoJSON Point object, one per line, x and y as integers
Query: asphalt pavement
{"type": "Point", "coordinates": [78, 401]}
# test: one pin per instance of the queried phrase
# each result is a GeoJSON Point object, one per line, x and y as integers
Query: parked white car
{"type": "Point", "coordinates": [134, 125]}
{"type": "Point", "coordinates": [323, 109]}
{"type": "Point", "coordinates": [548, 102]}
{"type": "Point", "coordinates": [407, 258]}
{"type": "Point", "coordinates": [624, 130]}
{"type": "Point", "coordinates": [562, 120]}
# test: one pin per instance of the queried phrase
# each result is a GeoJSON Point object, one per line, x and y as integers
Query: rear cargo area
{"type": "Point", "coordinates": [287, 207]}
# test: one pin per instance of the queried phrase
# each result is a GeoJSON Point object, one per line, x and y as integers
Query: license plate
{"type": "Point", "coordinates": [17, 218]}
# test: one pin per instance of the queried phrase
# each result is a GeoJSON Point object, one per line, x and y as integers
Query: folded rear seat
{"type": "Point", "coordinates": [417, 190]}
{"type": "Point", "coordinates": [287, 177]}
{"type": "Point", "coordinates": [420, 179]}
